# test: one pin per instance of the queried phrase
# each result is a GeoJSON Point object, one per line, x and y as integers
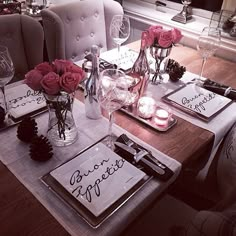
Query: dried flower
{"type": "Point", "coordinates": [175, 70]}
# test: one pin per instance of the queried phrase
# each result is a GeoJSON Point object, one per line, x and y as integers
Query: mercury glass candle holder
{"type": "Point", "coordinates": [146, 107]}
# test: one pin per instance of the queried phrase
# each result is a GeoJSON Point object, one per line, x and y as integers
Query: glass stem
{"type": "Point", "coordinates": [118, 47]}
{"type": "Point", "coordinates": [4, 99]}
{"type": "Point", "coordinates": [202, 67]}
{"type": "Point", "coordinates": [110, 142]}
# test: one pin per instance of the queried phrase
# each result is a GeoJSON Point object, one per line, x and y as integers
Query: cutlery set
{"type": "Point", "coordinates": [139, 156]}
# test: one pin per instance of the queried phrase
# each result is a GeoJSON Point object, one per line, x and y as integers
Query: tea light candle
{"type": "Point", "coordinates": [146, 107]}
{"type": "Point", "coordinates": [162, 116]}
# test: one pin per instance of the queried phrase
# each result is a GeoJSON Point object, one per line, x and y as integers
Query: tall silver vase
{"type": "Point", "coordinates": [159, 54]}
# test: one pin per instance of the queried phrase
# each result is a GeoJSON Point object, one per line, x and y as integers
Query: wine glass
{"type": "Point", "coordinates": [6, 72]}
{"type": "Point", "coordinates": [208, 42]}
{"type": "Point", "coordinates": [119, 29]}
{"type": "Point", "coordinates": [112, 93]}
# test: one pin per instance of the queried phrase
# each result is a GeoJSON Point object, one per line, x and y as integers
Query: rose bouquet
{"type": "Point", "coordinates": [58, 82]}
{"type": "Point", "coordinates": [159, 37]}
{"type": "Point", "coordinates": [52, 79]}
{"type": "Point", "coordinates": [160, 42]}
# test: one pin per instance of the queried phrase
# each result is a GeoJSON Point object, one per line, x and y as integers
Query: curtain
{"type": "Point", "coordinates": [229, 5]}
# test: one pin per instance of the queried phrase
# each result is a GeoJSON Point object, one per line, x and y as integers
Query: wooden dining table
{"type": "Point", "coordinates": [22, 214]}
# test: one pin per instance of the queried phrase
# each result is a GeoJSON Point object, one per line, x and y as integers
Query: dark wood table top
{"type": "Point", "coordinates": [22, 214]}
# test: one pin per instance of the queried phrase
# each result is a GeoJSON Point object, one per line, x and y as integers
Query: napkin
{"type": "Point", "coordinates": [220, 89]}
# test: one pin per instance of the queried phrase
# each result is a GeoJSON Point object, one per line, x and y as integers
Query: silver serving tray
{"type": "Point", "coordinates": [132, 111]}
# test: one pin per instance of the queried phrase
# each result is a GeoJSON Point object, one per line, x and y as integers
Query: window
{"type": "Point", "coordinates": [208, 5]}
{"type": "Point", "coordinates": [203, 8]}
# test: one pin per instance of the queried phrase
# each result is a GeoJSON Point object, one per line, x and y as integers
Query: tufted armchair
{"type": "Point", "coordinates": [72, 28]}
{"type": "Point", "coordinates": [24, 37]}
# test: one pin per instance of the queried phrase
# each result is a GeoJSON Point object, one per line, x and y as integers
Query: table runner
{"type": "Point", "coordinates": [15, 155]}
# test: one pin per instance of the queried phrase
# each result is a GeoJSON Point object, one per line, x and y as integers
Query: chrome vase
{"type": "Point", "coordinates": [159, 54]}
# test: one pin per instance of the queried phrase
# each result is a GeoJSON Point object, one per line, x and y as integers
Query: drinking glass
{"type": "Point", "coordinates": [6, 72]}
{"type": "Point", "coordinates": [112, 93]}
{"type": "Point", "coordinates": [208, 42]}
{"type": "Point", "coordinates": [119, 29]}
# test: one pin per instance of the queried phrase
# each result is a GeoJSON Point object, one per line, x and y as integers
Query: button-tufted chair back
{"type": "Point", "coordinates": [72, 28]}
{"type": "Point", "coordinates": [23, 36]}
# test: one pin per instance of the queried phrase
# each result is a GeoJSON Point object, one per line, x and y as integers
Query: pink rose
{"type": "Point", "coordinates": [76, 69]}
{"type": "Point", "coordinates": [176, 35]}
{"type": "Point", "coordinates": [61, 66]}
{"type": "Point", "coordinates": [146, 39]}
{"type": "Point", "coordinates": [69, 81]}
{"type": "Point", "coordinates": [44, 68]}
{"type": "Point", "coordinates": [165, 39]}
{"type": "Point", "coordinates": [154, 32]}
{"type": "Point", "coordinates": [33, 79]}
{"type": "Point", "coordinates": [50, 83]}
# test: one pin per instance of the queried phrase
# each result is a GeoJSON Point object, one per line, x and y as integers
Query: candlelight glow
{"type": "Point", "coordinates": [162, 116]}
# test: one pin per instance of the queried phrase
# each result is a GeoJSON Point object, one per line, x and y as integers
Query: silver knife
{"type": "Point", "coordinates": [139, 157]}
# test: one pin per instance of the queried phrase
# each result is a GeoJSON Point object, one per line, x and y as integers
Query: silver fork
{"type": "Point", "coordinates": [127, 141]}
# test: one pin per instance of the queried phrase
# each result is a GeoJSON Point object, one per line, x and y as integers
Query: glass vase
{"type": "Point", "coordinates": [159, 54]}
{"type": "Point", "coordinates": [34, 7]}
{"type": "Point", "coordinates": [62, 130]}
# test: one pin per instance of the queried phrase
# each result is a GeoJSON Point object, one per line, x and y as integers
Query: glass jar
{"type": "Point", "coordinates": [61, 125]}
{"type": "Point", "coordinates": [34, 7]}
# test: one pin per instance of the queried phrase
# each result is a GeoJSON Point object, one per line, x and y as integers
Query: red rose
{"type": "Point", "coordinates": [176, 35]}
{"type": "Point", "coordinates": [165, 39]}
{"type": "Point", "coordinates": [61, 66]}
{"type": "Point", "coordinates": [69, 81]}
{"type": "Point", "coordinates": [33, 79]}
{"type": "Point", "coordinates": [44, 68]}
{"type": "Point", "coordinates": [75, 69]}
{"type": "Point", "coordinates": [50, 83]}
{"type": "Point", "coordinates": [146, 39]}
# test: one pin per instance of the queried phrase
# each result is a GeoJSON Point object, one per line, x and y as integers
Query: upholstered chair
{"type": "Point", "coordinates": [72, 28]}
{"type": "Point", "coordinates": [24, 38]}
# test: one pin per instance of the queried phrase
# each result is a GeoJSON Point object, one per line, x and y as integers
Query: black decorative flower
{"type": "Point", "coordinates": [27, 129]}
{"type": "Point", "coordinates": [41, 149]}
{"type": "Point", "coordinates": [174, 70]}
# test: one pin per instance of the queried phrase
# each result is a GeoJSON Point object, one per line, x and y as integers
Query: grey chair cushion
{"type": "Point", "coordinates": [23, 36]}
{"type": "Point", "coordinates": [211, 223]}
{"type": "Point", "coordinates": [72, 28]}
{"type": "Point", "coordinates": [226, 167]}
